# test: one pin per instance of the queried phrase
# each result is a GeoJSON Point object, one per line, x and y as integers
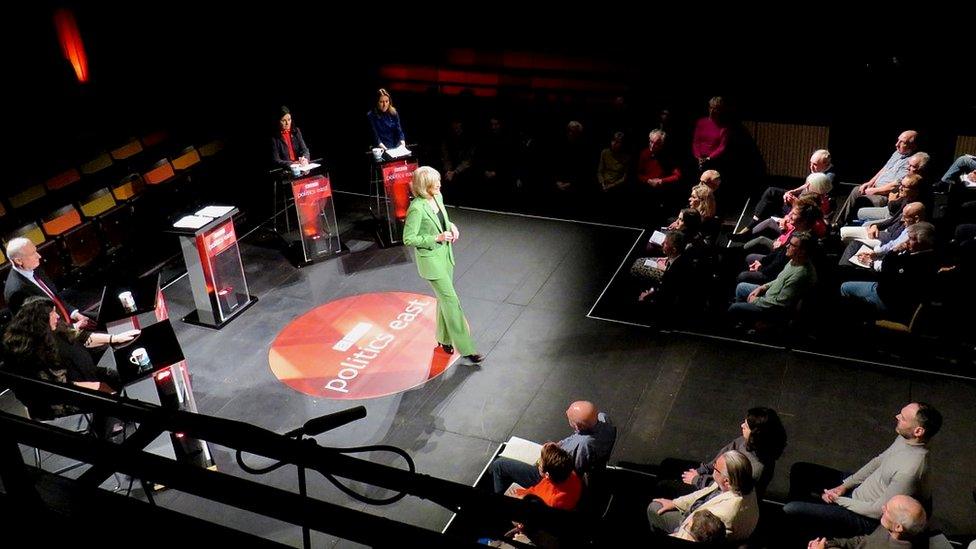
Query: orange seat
{"type": "Point", "coordinates": [160, 172]}
{"type": "Point", "coordinates": [188, 157]}
{"type": "Point", "coordinates": [63, 179]}
{"type": "Point", "coordinates": [130, 186]}
{"type": "Point", "coordinates": [61, 220]}
{"type": "Point", "coordinates": [97, 202]}
{"type": "Point", "coordinates": [129, 149]}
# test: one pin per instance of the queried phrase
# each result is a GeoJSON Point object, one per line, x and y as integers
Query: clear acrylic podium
{"type": "Point", "coordinates": [213, 263]}
{"type": "Point", "coordinates": [317, 224]}
{"type": "Point", "coordinates": [390, 185]}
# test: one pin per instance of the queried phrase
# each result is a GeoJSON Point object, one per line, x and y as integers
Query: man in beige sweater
{"type": "Point", "coordinates": [731, 498]}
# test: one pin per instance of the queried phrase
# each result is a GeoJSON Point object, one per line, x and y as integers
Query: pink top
{"type": "Point", "coordinates": [709, 140]}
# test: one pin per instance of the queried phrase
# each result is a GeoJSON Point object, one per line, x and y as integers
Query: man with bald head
{"type": "Point", "coordinates": [589, 445]}
{"type": "Point", "coordinates": [903, 521]}
{"type": "Point", "coordinates": [874, 192]}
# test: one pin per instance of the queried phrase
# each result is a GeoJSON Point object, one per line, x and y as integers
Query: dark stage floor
{"type": "Point", "coordinates": [527, 285]}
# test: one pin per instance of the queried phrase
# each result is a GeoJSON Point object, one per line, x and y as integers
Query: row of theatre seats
{"type": "Point", "coordinates": [91, 212]}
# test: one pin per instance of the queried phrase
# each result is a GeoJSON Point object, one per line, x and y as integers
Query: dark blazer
{"type": "Point", "coordinates": [18, 288]}
{"type": "Point", "coordinates": [280, 148]}
{"type": "Point", "coordinates": [906, 280]}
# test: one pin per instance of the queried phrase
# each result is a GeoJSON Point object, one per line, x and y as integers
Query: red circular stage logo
{"type": "Point", "coordinates": [364, 346]}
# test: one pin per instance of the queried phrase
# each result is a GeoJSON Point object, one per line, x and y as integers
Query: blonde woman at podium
{"type": "Point", "coordinates": [429, 230]}
{"type": "Point", "coordinates": [385, 121]}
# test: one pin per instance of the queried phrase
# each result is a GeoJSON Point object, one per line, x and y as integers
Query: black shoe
{"type": "Point", "coordinates": [449, 349]}
{"type": "Point", "coordinates": [475, 358]}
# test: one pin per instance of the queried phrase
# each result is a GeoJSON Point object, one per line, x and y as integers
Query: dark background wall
{"type": "Point", "coordinates": [223, 71]}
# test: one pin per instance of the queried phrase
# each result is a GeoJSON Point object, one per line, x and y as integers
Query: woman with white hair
{"type": "Point", "coordinates": [429, 230]}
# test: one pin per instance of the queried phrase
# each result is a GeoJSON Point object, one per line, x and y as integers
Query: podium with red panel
{"type": "Point", "coordinates": [213, 263]}
{"type": "Point", "coordinates": [162, 378]}
{"type": "Point", "coordinates": [317, 223]}
{"type": "Point", "coordinates": [390, 185]}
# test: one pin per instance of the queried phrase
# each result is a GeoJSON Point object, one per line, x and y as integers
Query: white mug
{"type": "Point", "coordinates": [378, 153]}
{"type": "Point", "coordinates": [296, 170]}
{"type": "Point", "coordinates": [140, 358]}
{"type": "Point", "coordinates": [128, 303]}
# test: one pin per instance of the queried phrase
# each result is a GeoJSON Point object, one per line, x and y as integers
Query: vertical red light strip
{"type": "Point", "coordinates": [71, 45]}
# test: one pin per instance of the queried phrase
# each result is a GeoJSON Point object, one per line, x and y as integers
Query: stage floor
{"type": "Point", "coordinates": [527, 285]}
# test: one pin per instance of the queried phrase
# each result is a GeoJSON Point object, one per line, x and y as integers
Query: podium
{"type": "Point", "coordinates": [317, 232]}
{"type": "Point", "coordinates": [390, 185]}
{"type": "Point", "coordinates": [213, 263]}
{"type": "Point", "coordinates": [165, 381]}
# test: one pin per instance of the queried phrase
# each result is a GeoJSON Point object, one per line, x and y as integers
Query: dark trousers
{"type": "Point", "coordinates": [808, 516]}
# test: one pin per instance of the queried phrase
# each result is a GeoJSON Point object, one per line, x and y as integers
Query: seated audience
{"type": "Point", "coordinates": [589, 446]}
{"type": "Point", "coordinates": [902, 525]}
{"type": "Point", "coordinates": [775, 201]}
{"type": "Point", "coordinates": [559, 485]}
{"type": "Point", "coordinates": [730, 497]}
{"type": "Point", "coordinates": [37, 344]}
{"type": "Point", "coordinates": [875, 190]}
{"type": "Point", "coordinates": [902, 469]}
{"type": "Point", "coordinates": [774, 300]}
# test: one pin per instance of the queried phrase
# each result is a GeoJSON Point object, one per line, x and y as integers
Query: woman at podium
{"type": "Point", "coordinates": [38, 345]}
{"type": "Point", "coordinates": [430, 231]}
{"type": "Point", "coordinates": [387, 133]}
{"type": "Point", "coordinates": [288, 146]}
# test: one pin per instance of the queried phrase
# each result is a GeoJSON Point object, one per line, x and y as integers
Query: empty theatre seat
{"type": "Point", "coordinates": [98, 202]}
{"type": "Point", "coordinates": [83, 245]}
{"type": "Point", "coordinates": [26, 196]}
{"type": "Point", "coordinates": [127, 150]}
{"type": "Point", "coordinates": [129, 187]}
{"type": "Point", "coordinates": [60, 220]}
{"type": "Point", "coordinates": [52, 259]}
{"type": "Point", "coordinates": [210, 149]}
{"type": "Point", "coordinates": [160, 172]}
{"type": "Point", "coordinates": [116, 226]}
{"type": "Point", "coordinates": [154, 138]}
{"type": "Point", "coordinates": [29, 231]}
{"type": "Point", "coordinates": [187, 158]}
{"type": "Point", "coordinates": [97, 164]}
{"type": "Point", "coordinates": [64, 179]}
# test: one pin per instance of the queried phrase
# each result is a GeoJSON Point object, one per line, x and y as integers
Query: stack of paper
{"type": "Point", "coordinates": [192, 222]}
{"type": "Point", "coordinates": [398, 152]}
{"type": "Point", "coordinates": [522, 450]}
{"type": "Point", "coordinates": [857, 261]}
{"type": "Point", "coordinates": [214, 211]}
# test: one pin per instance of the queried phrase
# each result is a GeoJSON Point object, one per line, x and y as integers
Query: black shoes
{"type": "Point", "coordinates": [449, 349]}
{"type": "Point", "coordinates": [475, 358]}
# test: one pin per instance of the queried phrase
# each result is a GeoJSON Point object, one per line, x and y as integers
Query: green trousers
{"type": "Point", "coordinates": [452, 328]}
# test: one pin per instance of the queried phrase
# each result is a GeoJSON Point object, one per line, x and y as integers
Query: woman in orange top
{"type": "Point", "coordinates": [560, 486]}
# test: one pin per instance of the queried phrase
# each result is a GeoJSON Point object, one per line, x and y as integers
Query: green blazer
{"type": "Point", "coordinates": [434, 259]}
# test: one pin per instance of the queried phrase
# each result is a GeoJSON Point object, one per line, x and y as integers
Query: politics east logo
{"type": "Point", "coordinates": [359, 347]}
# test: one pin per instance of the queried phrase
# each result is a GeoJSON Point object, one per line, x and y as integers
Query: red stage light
{"type": "Point", "coordinates": [70, 38]}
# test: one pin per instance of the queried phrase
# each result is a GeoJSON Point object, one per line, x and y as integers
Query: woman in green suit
{"type": "Point", "coordinates": [429, 230]}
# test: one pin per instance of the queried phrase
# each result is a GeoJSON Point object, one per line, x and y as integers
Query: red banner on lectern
{"type": "Point", "coordinates": [311, 194]}
{"type": "Point", "coordinates": [396, 181]}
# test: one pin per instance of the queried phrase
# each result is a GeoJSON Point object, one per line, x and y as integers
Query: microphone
{"type": "Point", "coordinates": [328, 422]}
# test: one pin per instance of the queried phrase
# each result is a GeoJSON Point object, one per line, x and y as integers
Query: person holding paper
{"type": "Point", "coordinates": [288, 146]}
{"type": "Point", "coordinates": [590, 445]}
{"type": "Point", "coordinates": [385, 122]}
{"type": "Point", "coordinates": [429, 230]}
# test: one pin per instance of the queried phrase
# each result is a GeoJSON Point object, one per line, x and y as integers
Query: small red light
{"type": "Point", "coordinates": [163, 374]}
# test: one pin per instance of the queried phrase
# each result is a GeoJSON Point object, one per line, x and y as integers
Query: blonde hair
{"type": "Point", "coordinates": [383, 93]}
{"type": "Point", "coordinates": [423, 179]}
{"type": "Point", "coordinates": [819, 183]}
{"type": "Point", "coordinates": [706, 200]}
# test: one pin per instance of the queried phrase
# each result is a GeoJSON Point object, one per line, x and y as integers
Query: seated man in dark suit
{"type": "Point", "coordinates": [26, 279]}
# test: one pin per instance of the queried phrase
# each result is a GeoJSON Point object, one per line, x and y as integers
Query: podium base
{"type": "Point", "coordinates": [296, 255]}
{"type": "Point", "coordinates": [383, 237]}
{"type": "Point", "coordinates": [194, 317]}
